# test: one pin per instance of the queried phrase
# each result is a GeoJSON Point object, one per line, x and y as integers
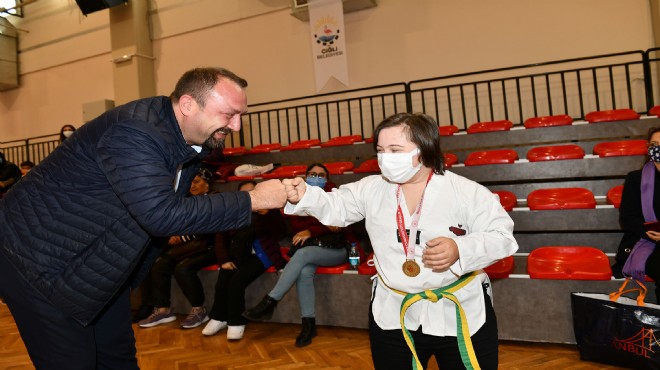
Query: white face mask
{"type": "Point", "coordinates": [67, 133]}
{"type": "Point", "coordinates": [397, 167]}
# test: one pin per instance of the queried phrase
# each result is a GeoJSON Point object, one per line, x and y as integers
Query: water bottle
{"type": "Point", "coordinates": [354, 257]}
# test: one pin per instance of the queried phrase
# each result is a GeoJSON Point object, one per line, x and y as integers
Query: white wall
{"type": "Point", "coordinates": [64, 60]}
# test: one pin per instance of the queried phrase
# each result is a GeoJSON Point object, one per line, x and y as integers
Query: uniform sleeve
{"type": "Point", "coordinates": [341, 207]}
{"type": "Point", "coordinates": [137, 166]}
{"type": "Point", "coordinates": [490, 230]}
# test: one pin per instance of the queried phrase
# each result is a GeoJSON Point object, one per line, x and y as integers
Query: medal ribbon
{"type": "Point", "coordinates": [400, 223]}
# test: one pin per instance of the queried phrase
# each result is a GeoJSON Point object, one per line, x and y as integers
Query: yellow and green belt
{"type": "Point", "coordinates": [462, 332]}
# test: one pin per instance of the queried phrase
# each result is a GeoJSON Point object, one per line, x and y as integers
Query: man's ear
{"type": "Point", "coordinates": [186, 105]}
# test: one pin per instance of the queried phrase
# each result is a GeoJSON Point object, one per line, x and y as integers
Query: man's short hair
{"type": "Point", "coordinates": [199, 82]}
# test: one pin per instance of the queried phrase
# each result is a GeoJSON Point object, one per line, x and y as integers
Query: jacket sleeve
{"type": "Point", "coordinates": [139, 166]}
{"type": "Point", "coordinates": [631, 216]}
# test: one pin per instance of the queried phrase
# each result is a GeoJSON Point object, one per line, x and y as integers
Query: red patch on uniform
{"type": "Point", "coordinates": [457, 230]}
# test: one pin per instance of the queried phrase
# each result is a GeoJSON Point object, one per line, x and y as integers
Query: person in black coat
{"type": "Point", "coordinates": [75, 232]}
{"type": "Point", "coordinates": [632, 219]}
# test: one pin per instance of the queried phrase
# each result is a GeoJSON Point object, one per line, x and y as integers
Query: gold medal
{"type": "Point", "coordinates": [411, 268]}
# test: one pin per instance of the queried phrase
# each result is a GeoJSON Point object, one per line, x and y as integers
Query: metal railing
{"type": "Point", "coordinates": [33, 149]}
{"type": "Point", "coordinates": [351, 112]}
{"type": "Point", "coordinates": [571, 86]}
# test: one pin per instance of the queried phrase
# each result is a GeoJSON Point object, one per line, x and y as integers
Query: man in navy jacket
{"type": "Point", "coordinates": [74, 232]}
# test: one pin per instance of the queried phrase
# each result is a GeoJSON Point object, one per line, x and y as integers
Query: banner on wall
{"type": "Point", "coordinates": [326, 23]}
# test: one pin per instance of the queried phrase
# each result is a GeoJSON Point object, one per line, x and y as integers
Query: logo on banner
{"type": "Point", "coordinates": [639, 344]}
{"type": "Point", "coordinates": [326, 33]}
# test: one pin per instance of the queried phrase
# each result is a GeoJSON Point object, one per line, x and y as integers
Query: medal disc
{"type": "Point", "coordinates": [410, 268]}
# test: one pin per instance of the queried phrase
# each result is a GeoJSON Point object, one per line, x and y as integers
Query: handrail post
{"type": "Point", "coordinates": [648, 82]}
{"type": "Point", "coordinates": [408, 94]}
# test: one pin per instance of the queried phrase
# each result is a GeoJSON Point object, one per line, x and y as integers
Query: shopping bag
{"type": "Point", "coordinates": [617, 330]}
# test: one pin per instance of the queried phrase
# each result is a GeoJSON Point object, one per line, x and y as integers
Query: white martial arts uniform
{"type": "Point", "coordinates": [454, 207]}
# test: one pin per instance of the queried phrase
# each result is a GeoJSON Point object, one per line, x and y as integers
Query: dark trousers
{"type": "Point", "coordinates": [183, 265]}
{"type": "Point", "coordinates": [390, 351]}
{"type": "Point", "coordinates": [229, 301]}
{"type": "Point", "coordinates": [56, 341]}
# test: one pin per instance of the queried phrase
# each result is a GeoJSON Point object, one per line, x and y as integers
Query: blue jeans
{"type": "Point", "coordinates": [300, 270]}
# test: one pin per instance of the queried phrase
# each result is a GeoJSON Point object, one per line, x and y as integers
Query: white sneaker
{"type": "Point", "coordinates": [235, 332]}
{"type": "Point", "coordinates": [213, 327]}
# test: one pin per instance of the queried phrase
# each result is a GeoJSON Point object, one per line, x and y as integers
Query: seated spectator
{"type": "Point", "coordinates": [26, 166]}
{"type": "Point", "coordinates": [182, 258]}
{"type": "Point", "coordinates": [248, 254]}
{"type": "Point", "coordinates": [313, 245]}
{"type": "Point", "coordinates": [66, 131]}
{"type": "Point", "coordinates": [637, 255]}
{"type": "Point", "coordinates": [9, 174]}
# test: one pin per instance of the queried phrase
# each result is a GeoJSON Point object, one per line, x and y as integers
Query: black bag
{"type": "Point", "coordinates": [617, 330]}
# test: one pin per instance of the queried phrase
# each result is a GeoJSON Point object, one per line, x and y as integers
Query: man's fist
{"type": "Point", "coordinates": [268, 195]}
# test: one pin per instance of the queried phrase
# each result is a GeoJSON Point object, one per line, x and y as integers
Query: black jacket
{"type": "Point", "coordinates": [631, 217]}
{"type": "Point", "coordinates": [77, 225]}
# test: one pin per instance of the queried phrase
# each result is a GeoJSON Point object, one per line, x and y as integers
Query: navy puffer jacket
{"type": "Point", "coordinates": [78, 224]}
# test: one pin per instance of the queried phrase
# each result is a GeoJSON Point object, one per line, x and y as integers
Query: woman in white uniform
{"type": "Point", "coordinates": [431, 296]}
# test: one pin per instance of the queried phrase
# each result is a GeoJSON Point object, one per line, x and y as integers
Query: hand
{"type": "Point", "coordinates": [228, 266]}
{"type": "Point", "coordinates": [440, 254]}
{"type": "Point", "coordinates": [301, 237]}
{"type": "Point", "coordinates": [295, 189]}
{"type": "Point", "coordinates": [334, 229]}
{"type": "Point", "coordinates": [268, 195]}
{"type": "Point", "coordinates": [174, 240]}
{"type": "Point", "coordinates": [654, 235]}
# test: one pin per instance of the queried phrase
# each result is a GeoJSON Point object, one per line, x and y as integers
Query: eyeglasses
{"type": "Point", "coordinates": [320, 174]}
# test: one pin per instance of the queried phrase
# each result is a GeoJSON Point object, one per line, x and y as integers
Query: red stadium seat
{"type": "Point", "coordinates": [655, 111]}
{"type": "Point", "coordinates": [342, 140]}
{"type": "Point", "coordinates": [479, 127]}
{"type": "Point", "coordinates": [369, 140]}
{"type": "Point", "coordinates": [621, 148]}
{"type": "Point", "coordinates": [301, 144]}
{"type": "Point", "coordinates": [611, 115]}
{"type": "Point", "coordinates": [508, 200]}
{"type": "Point", "coordinates": [234, 151]}
{"type": "Point", "coordinates": [339, 269]}
{"type": "Point", "coordinates": [285, 172]}
{"type": "Point", "coordinates": [337, 168]}
{"type": "Point", "coordinates": [500, 156]}
{"type": "Point", "coordinates": [264, 148]}
{"type": "Point", "coordinates": [561, 198]}
{"type": "Point", "coordinates": [365, 269]}
{"type": "Point", "coordinates": [500, 269]}
{"type": "Point", "coordinates": [568, 263]}
{"type": "Point", "coordinates": [548, 121]}
{"type": "Point", "coordinates": [450, 159]}
{"type": "Point", "coordinates": [370, 165]}
{"type": "Point", "coordinates": [554, 153]}
{"type": "Point", "coordinates": [447, 130]}
{"type": "Point", "coordinates": [240, 178]}
{"type": "Point", "coordinates": [614, 196]}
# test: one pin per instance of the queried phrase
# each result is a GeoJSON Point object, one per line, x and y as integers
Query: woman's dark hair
{"type": "Point", "coordinates": [62, 137]}
{"type": "Point", "coordinates": [240, 184]}
{"type": "Point", "coordinates": [652, 131]}
{"type": "Point", "coordinates": [421, 130]}
{"type": "Point", "coordinates": [309, 168]}
{"type": "Point", "coordinates": [199, 82]}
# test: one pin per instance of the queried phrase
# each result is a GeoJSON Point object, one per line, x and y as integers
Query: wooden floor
{"type": "Point", "coordinates": [271, 346]}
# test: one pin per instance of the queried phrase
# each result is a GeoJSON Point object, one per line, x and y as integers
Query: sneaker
{"type": "Point", "coordinates": [157, 318]}
{"type": "Point", "coordinates": [213, 327]}
{"type": "Point", "coordinates": [195, 319]}
{"type": "Point", "coordinates": [235, 332]}
{"type": "Point", "coordinates": [142, 313]}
